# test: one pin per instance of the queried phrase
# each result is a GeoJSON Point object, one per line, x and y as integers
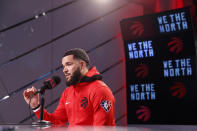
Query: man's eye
{"type": "Point", "coordinates": [69, 64]}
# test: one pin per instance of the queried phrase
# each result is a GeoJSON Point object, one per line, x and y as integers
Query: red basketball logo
{"type": "Point", "coordinates": [178, 89]}
{"type": "Point", "coordinates": [143, 113]}
{"type": "Point", "coordinates": [137, 28]}
{"type": "Point", "coordinates": [175, 45]}
{"type": "Point", "coordinates": [142, 71]}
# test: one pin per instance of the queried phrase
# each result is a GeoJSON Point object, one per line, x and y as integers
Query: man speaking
{"type": "Point", "coordinates": [86, 101]}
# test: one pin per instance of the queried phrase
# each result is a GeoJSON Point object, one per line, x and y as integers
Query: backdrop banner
{"type": "Point", "coordinates": [160, 68]}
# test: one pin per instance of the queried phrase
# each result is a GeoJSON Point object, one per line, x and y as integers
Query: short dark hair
{"type": "Point", "coordinates": [79, 53]}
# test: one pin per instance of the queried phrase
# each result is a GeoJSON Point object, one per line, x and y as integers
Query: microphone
{"type": "Point", "coordinates": [49, 84]}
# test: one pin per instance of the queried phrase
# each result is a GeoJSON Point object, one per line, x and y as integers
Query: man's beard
{"type": "Point", "coordinates": [75, 78]}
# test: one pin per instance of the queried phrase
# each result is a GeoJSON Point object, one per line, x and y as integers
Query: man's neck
{"type": "Point", "coordinates": [84, 72]}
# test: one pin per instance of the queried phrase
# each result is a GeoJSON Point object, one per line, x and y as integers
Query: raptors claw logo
{"type": "Point", "coordinates": [84, 102]}
{"type": "Point", "coordinates": [178, 90]}
{"type": "Point", "coordinates": [137, 28]}
{"type": "Point", "coordinates": [176, 45]}
{"type": "Point", "coordinates": [142, 70]}
{"type": "Point", "coordinates": [144, 113]}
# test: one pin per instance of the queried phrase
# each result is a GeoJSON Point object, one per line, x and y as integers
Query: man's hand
{"type": "Point", "coordinates": [29, 94]}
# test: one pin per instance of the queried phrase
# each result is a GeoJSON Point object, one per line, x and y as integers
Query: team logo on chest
{"type": "Point", "coordinates": [84, 102]}
{"type": "Point", "coordinates": [106, 105]}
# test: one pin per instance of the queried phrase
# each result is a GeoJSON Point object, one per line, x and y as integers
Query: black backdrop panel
{"type": "Point", "coordinates": [160, 68]}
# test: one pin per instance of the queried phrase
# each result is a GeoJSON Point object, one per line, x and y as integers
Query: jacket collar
{"type": "Point", "coordinates": [90, 76]}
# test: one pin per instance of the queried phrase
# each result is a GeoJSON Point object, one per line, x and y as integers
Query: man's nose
{"type": "Point", "coordinates": [65, 70]}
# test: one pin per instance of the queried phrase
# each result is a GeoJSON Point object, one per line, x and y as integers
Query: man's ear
{"type": "Point", "coordinates": [82, 64]}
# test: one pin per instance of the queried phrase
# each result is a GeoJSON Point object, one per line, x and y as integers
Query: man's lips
{"type": "Point", "coordinates": [67, 76]}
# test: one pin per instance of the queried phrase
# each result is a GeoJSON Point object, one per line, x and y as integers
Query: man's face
{"type": "Point", "coordinates": [71, 69]}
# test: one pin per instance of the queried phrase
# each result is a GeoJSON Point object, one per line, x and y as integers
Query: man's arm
{"type": "Point", "coordinates": [103, 105]}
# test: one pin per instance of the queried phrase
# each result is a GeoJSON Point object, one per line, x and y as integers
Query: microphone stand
{"type": "Point", "coordinates": [41, 122]}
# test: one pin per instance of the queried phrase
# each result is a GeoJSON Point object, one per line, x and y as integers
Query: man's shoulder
{"type": "Point", "coordinates": [99, 87]}
{"type": "Point", "coordinates": [98, 83]}
{"type": "Point", "coordinates": [101, 92]}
